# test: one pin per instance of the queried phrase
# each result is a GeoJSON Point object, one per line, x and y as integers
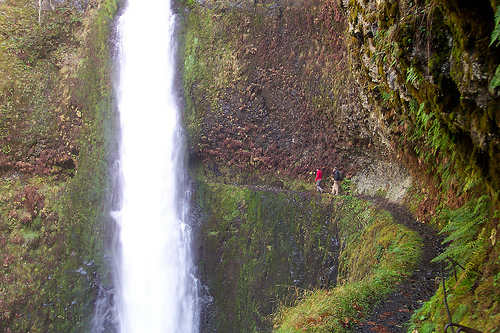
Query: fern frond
{"type": "Point", "coordinates": [465, 231]}
{"type": "Point", "coordinates": [495, 35]}
{"type": "Point", "coordinates": [495, 81]}
{"type": "Point", "coordinates": [411, 75]}
{"type": "Point", "coordinates": [477, 253]}
{"type": "Point", "coordinates": [413, 104]}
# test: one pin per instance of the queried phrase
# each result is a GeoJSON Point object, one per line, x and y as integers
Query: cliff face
{"type": "Point", "coordinates": [402, 96]}
{"type": "Point", "coordinates": [268, 89]}
{"type": "Point", "coordinates": [257, 247]}
{"type": "Point", "coordinates": [365, 86]}
{"type": "Point", "coordinates": [428, 71]}
{"type": "Point", "coordinates": [262, 249]}
{"type": "Point", "coordinates": [55, 131]}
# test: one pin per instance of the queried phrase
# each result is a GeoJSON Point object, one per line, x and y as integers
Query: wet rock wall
{"type": "Point", "coordinates": [268, 91]}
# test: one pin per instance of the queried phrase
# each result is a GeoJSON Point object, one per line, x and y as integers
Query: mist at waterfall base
{"type": "Point", "coordinates": [156, 290]}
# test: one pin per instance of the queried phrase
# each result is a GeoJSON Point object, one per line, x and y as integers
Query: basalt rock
{"type": "Point", "coordinates": [274, 94]}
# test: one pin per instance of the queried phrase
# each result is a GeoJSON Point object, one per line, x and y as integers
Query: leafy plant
{"type": "Point", "coordinates": [413, 105]}
{"type": "Point", "coordinates": [495, 81]}
{"type": "Point", "coordinates": [495, 38]}
{"type": "Point", "coordinates": [385, 96]}
{"type": "Point", "coordinates": [495, 35]}
{"type": "Point", "coordinates": [346, 187]}
{"type": "Point", "coordinates": [411, 75]}
{"type": "Point", "coordinates": [463, 227]}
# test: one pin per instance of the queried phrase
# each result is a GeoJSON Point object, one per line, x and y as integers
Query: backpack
{"type": "Point", "coordinates": [337, 175]}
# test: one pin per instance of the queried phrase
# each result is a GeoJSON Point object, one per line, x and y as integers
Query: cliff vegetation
{"type": "Point", "coordinates": [407, 89]}
{"type": "Point", "coordinates": [402, 96]}
{"type": "Point", "coordinates": [55, 127]}
{"type": "Point", "coordinates": [263, 250]}
{"type": "Point", "coordinates": [428, 69]}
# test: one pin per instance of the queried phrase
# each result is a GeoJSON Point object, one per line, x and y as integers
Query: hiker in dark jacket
{"type": "Point", "coordinates": [337, 177]}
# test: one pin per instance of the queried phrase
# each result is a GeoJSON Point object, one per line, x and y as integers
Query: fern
{"type": "Point", "coordinates": [385, 96]}
{"type": "Point", "coordinates": [495, 81]}
{"type": "Point", "coordinates": [478, 253]}
{"type": "Point", "coordinates": [464, 229]}
{"type": "Point", "coordinates": [413, 105]}
{"type": "Point", "coordinates": [411, 75]}
{"type": "Point", "coordinates": [495, 35]}
{"type": "Point", "coordinates": [422, 116]}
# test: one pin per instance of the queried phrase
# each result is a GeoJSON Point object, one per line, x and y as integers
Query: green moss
{"type": "Point", "coordinates": [393, 10]}
{"type": "Point", "coordinates": [252, 234]}
{"type": "Point", "coordinates": [258, 243]}
{"type": "Point", "coordinates": [376, 253]}
{"type": "Point", "coordinates": [51, 251]}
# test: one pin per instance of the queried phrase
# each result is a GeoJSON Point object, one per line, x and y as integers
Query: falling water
{"type": "Point", "coordinates": [157, 291]}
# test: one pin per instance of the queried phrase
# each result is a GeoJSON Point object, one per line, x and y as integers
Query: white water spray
{"type": "Point", "coordinates": [156, 288]}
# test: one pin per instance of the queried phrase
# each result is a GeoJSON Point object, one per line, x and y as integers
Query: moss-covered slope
{"type": "Point", "coordinates": [55, 127]}
{"type": "Point", "coordinates": [271, 93]}
{"type": "Point", "coordinates": [261, 248]}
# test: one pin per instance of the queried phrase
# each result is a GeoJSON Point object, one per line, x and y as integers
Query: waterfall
{"type": "Point", "coordinates": [155, 285]}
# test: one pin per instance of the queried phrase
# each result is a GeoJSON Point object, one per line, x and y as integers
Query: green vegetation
{"type": "Point", "coordinates": [495, 39]}
{"type": "Point", "coordinates": [279, 244]}
{"type": "Point", "coordinates": [376, 255]}
{"type": "Point", "coordinates": [495, 35]}
{"type": "Point", "coordinates": [463, 227]}
{"type": "Point", "coordinates": [55, 104]}
{"type": "Point", "coordinates": [473, 264]}
{"type": "Point", "coordinates": [441, 130]}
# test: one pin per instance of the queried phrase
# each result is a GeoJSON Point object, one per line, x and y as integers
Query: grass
{"type": "Point", "coordinates": [324, 310]}
{"type": "Point", "coordinates": [374, 259]}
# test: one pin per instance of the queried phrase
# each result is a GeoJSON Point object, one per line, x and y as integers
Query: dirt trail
{"type": "Point", "coordinates": [393, 314]}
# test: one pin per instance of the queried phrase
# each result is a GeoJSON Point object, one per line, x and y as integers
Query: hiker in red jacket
{"type": "Point", "coordinates": [319, 177]}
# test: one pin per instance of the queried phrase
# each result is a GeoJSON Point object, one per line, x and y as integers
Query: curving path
{"type": "Point", "coordinates": [393, 314]}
